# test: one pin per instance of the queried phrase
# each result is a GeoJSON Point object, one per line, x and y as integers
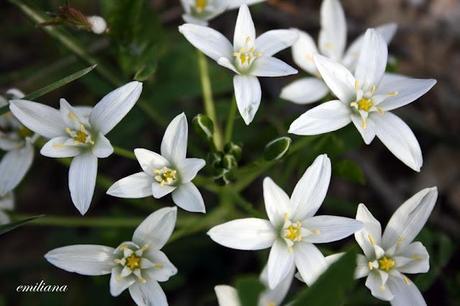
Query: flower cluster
{"type": "Point", "coordinates": [363, 94]}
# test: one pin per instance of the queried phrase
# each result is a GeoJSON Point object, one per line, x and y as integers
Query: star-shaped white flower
{"type": "Point", "coordinates": [249, 57]}
{"type": "Point", "coordinates": [201, 11]}
{"type": "Point", "coordinates": [78, 133]}
{"type": "Point", "coordinates": [17, 141]}
{"type": "Point", "coordinates": [292, 228]}
{"type": "Point", "coordinates": [6, 204]}
{"type": "Point", "coordinates": [332, 42]}
{"type": "Point", "coordinates": [388, 257]}
{"type": "Point", "coordinates": [138, 264]}
{"type": "Point", "coordinates": [228, 296]}
{"type": "Point", "coordinates": [170, 172]}
{"type": "Point", "coordinates": [367, 99]}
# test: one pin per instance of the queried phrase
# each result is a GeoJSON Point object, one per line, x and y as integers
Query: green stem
{"type": "Point", "coordinates": [124, 153]}
{"type": "Point", "coordinates": [230, 121]}
{"type": "Point", "coordinates": [208, 99]}
{"type": "Point", "coordinates": [83, 221]}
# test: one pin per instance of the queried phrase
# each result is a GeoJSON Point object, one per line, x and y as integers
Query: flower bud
{"type": "Point", "coordinates": [277, 148]}
{"type": "Point", "coordinates": [98, 24]}
{"type": "Point", "coordinates": [203, 126]}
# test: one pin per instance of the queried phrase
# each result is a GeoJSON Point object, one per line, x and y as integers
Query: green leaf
{"type": "Point", "coordinates": [350, 170]}
{"type": "Point", "coordinates": [64, 81]}
{"type": "Point", "coordinates": [332, 285]}
{"type": "Point", "coordinates": [249, 288]}
{"type": "Point", "coordinates": [277, 148]}
{"type": "Point", "coordinates": [11, 226]}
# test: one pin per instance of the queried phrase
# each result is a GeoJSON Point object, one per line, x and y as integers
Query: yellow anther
{"type": "Point", "coordinates": [133, 262]}
{"type": "Point", "coordinates": [200, 5]}
{"type": "Point", "coordinates": [80, 136]}
{"type": "Point", "coordinates": [293, 232]}
{"type": "Point", "coordinates": [370, 265]}
{"type": "Point", "coordinates": [165, 176]}
{"type": "Point", "coordinates": [356, 85]}
{"type": "Point", "coordinates": [365, 104]}
{"type": "Point", "coordinates": [386, 263]}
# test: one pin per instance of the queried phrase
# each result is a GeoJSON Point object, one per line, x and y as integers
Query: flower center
{"type": "Point", "coordinates": [386, 263]}
{"type": "Point", "coordinates": [200, 5]}
{"type": "Point", "coordinates": [246, 55]}
{"type": "Point", "coordinates": [365, 104]}
{"type": "Point", "coordinates": [293, 232]}
{"type": "Point", "coordinates": [133, 262]}
{"type": "Point", "coordinates": [165, 176]}
{"type": "Point", "coordinates": [80, 136]}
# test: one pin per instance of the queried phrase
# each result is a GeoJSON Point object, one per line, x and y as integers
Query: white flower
{"type": "Point", "coordinates": [332, 42]}
{"type": "Point", "coordinates": [248, 57]}
{"type": "Point", "coordinates": [387, 257]}
{"type": "Point", "coordinates": [138, 264]}
{"type": "Point", "coordinates": [78, 133]}
{"type": "Point", "coordinates": [293, 227]}
{"type": "Point", "coordinates": [6, 204]}
{"type": "Point", "coordinates": [17, 141]}
{"type": "Point", "coordinates": [201, 11]}
{"type": "Point", "coordinates": [170, 172]}
{"type": "Point", "coordinates": [98, 24]}
{"type": "Point", "coordinates": [366, 99]}
{"type": "Point", "coordinates": [228, 296]}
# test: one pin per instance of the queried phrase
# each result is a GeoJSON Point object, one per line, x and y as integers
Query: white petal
{"type": "Point", "coordinates": [402, 91]}
{"type": "Point", "coordinates": [244, 28]}
{"type": "Point", "coordinates": [58, 147]}
{"type": "Point", "coordinates": [371, 234]}
{"type": "Point", "coordinates": [82, 180]}
{"type": "Point", "coordinates": [326, 117]}
{"type": "Point", "coordinates": [119, 284]}
{"type": "Point", "coordinates": [333, 34]}
{"type": "Point", "coordinates": [362, 266]}
{"type": "Point", "coordinates": [280, 263]}
{"type": "Point", "coordinates": [156, 229]}
{"type": "Point", "coordinates": [418, 259]}
{"type": "Point", "coordinates": [271, 67]}
{"type": "Point", "coordinates": [274, 41]}
{"type": "Point", "coordinates": [309, 261]}
{"type": "Point", "coordinates": [367, 132]}
{"type": "Point", "coordinates": [310, 191]}
{"type": "Point", "coordinates": [163, 268]}
{"type": "Point", "coordinates": [7, 201]}
{"type": "Point", "coordinates": [399, 139]}
{"type": "Point", "coordinates": [225, 62]}
{"type": "Point", "coordinates": [409, 218]}
{"type": "Point", "coordinates": [305, 91]}
{"type": "Point", "coordinates": [276, 296]}
{"type": "Point", "coordinates": [70, 115]}
{"type": "Point", "coordinates": [351, 56]}
{"type": "Point", "coordinates": [102, 147]}
{"type": "Point", "coordinates": [148, 294]}
{"type": "Point", "coordinates": [108, 112]}
{"type": "Point", "coordinates": [378, 289]}
{"type": "Point", "coordinates": [189, 168]}
{"type": "Point", "coordinates": [40, 118]}
{"type": "Point", "coordinates": [207, 40]}
{"type": "Point", "coordinates": [244, 234]}
{"type": "Point", "coordinates": [338, 78]}
{"type": "Point", "coordinates": [303, 51]}
{"type": "Point", "coordinates": [159, 191]}
{"type": "Point", "coordinates": [4, 218]}
{"type": "Point", "coordinates": [372, 60]}
{"type": "Point", "coordinates": [14, 167]}
{"type": "Point", "coordinates": [150, 161]}
{"type": "Point", "coordinates": [330, 228]}
{"type": "Point", "coordinates": [138, 185]}
{"type": "Point", "coordinates": [248, 95]}
{"type": "Point", "coordinates": [227, 296]}
{"type": "Point", "coordinates": [189, 198]}
{"type": "Point", "coordinates": [83, 259]}
{"type": "Point", "coordinates": [174, 143]}
{"type": "Point", "coordinates": [405, 293]}
{"type": "Point", "coordinates": [276, 202]}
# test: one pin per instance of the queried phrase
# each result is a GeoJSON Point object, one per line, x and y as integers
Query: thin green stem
{"type": "Point", "coordinates": [124, 153]}
{"type": "Point", "coordinates": [230, 121]}
{"type": "Point", "coordinates": [208, 100]}
{"type": "Point", "coordinates": [83, 221]}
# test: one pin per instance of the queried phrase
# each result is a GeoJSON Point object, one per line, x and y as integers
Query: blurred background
{"type": "Point", "coordinates": [144, 41]}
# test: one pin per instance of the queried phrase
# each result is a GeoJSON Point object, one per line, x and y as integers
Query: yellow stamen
{"type": "Point", "coordinates": [365, 104]}
{"type": "Point", "coordinates": [133, 262]}
{"type": "Point", "coordinates": [371, 239]}
{"type": "Point", "coordinates": [293, 232]}
{"type": "Point", "coordinates": [200, 5]}
{"type": "Point", "coordinates": [386, 263]}
{"type": "Point", "coordinates": [165, 176]}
